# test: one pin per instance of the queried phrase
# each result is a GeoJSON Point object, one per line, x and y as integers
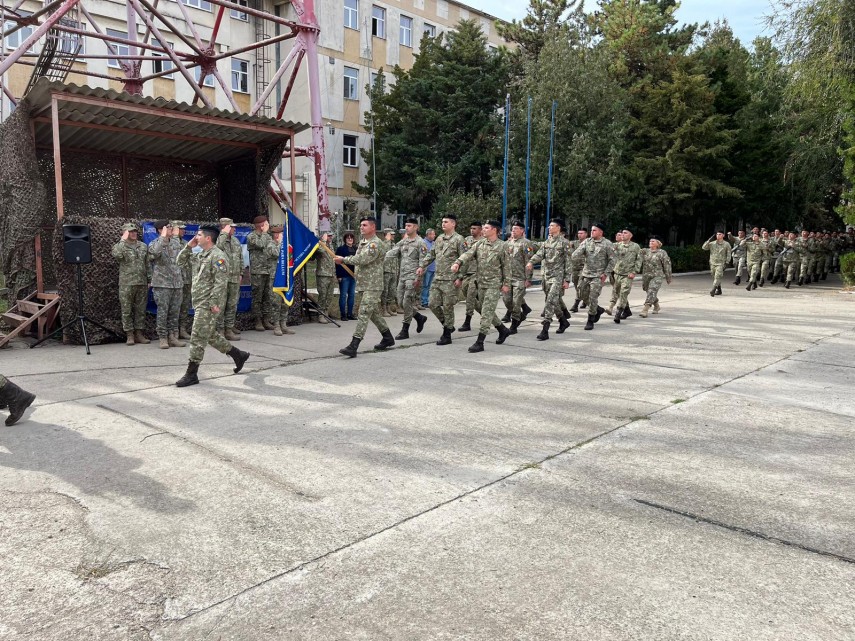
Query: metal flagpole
{"type": "Point", "coordinates": [528, 170]}
{"type": "Point", "coordinates": [549, 181]}
{"type": "Point", "coordinates": [507, 145]}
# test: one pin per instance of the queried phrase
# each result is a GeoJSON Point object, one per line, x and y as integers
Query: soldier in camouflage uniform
{"type": "Point", "coordinates": [167, 284]}
{"type": "Point", "coordinates": [369, 282]}
{"type": "Point", "coordinates": [229, 244]}
{"type": "Point", "coordinates": [807, 244]}
{"type": "Point", "coordinates": [178, 228]}
{"type": "Point", "coordinates": [520, 251]}
{"type": "Point", "coordinates": [324, 275]}
{"type": "Point", "coordinates": [554, 254]}
{"type": "Point", "coordinates": [493, 278]}
{"type": "Point", "coordinates": [576, 266]}
{"type": "Point", "coordinates": [720, 255]}
{"type": "Point", "coordinates": [15, 399]}
{"type": "Point", "coordinates": [390, 275]}
{"type": "Point", "coordinates": [790, 259]}
{"type": "Point", "coordinates": [411, 249]}
{"type": "Point", "coordinates": [778, 240]}
{"type": "Point", "coordinates": [132, 254]}
{"type": "Point", "coordinates": [656, 266]}
{"type": "Point", "coordinates": [627, 265]}
{"type": "Point", "coordinates": [738, 253]}
{"type": "Point", "coordinates": [261, 248]}
{"type": "Point", "coordinates": [444, 288]}
{"type": "Point", "coordinates": [767, 256]}
{"type": "Point", "coordinates": [599, 256]}
{"type": "Point", "coordinates": [279, 315]}
{"type": "Point", "coordinates": [754, 258]}
{"type": "Point", "coordinates": [210, 281]}
{"type": "Point", "coordinates": [469, 290]}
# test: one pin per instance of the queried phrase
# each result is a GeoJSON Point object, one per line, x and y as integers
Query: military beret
{"type": "Point", "coordinates": [413, 221]}
{"type": "Point", "coordinates": [180, 224]}
{"type": "Point", "coordinates": [599, 226]}
{"type": "Point", "coordinates": [657, 239]}
{"type": "Point", "coordinates": [225, 221]}
{"type": "Point", "coordinates": [558, 222]}
{"type": "Point", "coordinates": [388, 230]}
{"type": "Point", "coordinates": [160, 223]}
{"type": "Point", "coordinates": [584, 229]}
{"type": "Point", "coordinates": [475, 223]}
{"type": "Point", "coordinates": [517, 223]}
{"type": "Point", "coordinates": [450, 216]}
{"type": "Point", "coordinates": [277, 229]}
{"type": "Point", "coordinates": [368, 219]}
{"type": "Point", "coordinates": [259, 220]}
{"type": "Point", "coordinates": [493, 223]}
{"type": "Point", "coordinates": [626, 231]}
{"type": "Point", "coordinates": [130, 227]}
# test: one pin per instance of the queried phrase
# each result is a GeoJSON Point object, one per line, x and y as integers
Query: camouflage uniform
{"type": "Point", "coordinates": [279, 310]}
{"type": "Point", "coordinates": [210, 281]}
{"type": "Point", "coordinates": [443, 294]}
{"type": "Point", "coordinates": [754, 258]}
{"type": "Point", "coordinates": [369, 282]}
{"type": "Point", "coordinates": [186, 294]}
{"type": "Point", "coordinates": [628, 261]}
{"type": "Point", "coordinates": [767, 255]}
{"type": "Point", "coordinates": [790, 259]}
{"type": "Point", "coordinates": [491, 274]}
{"type": "Point", "coordinates": [738, 253]}
{"type": "Point", "coordinates": [261, 249]}
{"type": "Point", "coordinates": [232, 248]}
{"type": "Point", "coordinates": [576, 267]}
{"type": "Point", "coordinates": [410, 251]}
{"type": "Point", "coordinates": [133, 283]}
{"type": "Point", "coordinates": [390, 277]}
{"type": "Point", "coordinates": [469, 288]}
{"type": "Point", "coordinates": [324, 277]}
{"type": "Point", "coordinates": [555, 256]}
{"type": "Point", "coordinates": [808, 256]}
{"type": "Point", "coordinates": [720, 255]}
{"type": "Point", "coordinates": [656, 266]}
{"type": "Point", "coordinates": [599, 256]}
{"type": "Point", "coordinates": [167, 284]}
{"type": "Point", "coordinates": [520, 252]}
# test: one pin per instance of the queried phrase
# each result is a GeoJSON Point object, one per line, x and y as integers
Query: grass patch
{"type": "Point", "coordinates": [678, 400]}
{"type": "Point", "coordinates": [639, 418]}
{"type": "Point", "coordinates": [86, 572]}
{"type": "Point", "coordinates": [529, 466]}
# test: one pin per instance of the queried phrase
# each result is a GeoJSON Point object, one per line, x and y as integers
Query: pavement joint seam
{"type": "Point", "coordinates": [746, 531]}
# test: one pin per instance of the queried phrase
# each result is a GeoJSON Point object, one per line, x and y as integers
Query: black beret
{"type": "Point", "coordinates": [517, 223]}
{"type": "Point", "coordinates": [160, 224]}
{"type": "Point", "coordinates": [368, 219]}
{"type": "Point", "coordinates": [599, 226]}
{"type": "Point", "coordinates": [584, 229]}
{"type": "Point", "coordinates": [558, 222]}
{"type": "Point", "coordinates": [413, 221]}
{"type": "Point", "coordinates": [493, 223]}
{"type": "Point", "coordinates": [475, 223]}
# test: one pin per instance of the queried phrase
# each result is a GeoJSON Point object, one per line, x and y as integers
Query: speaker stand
{"type": "Point", "coordinates": [81, 319]}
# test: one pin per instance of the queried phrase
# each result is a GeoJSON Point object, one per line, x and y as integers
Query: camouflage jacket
{"type": "Point", "coordinates": [807, 246]}
{"type": "Point", "coordinates": [768, 247]}
{"type": "Point", "coordinates": [233, 250]}
{"type": "Point", "coordinates": [656, 263]}
{"type": "Point", "coordinates": [273, 260]}
{"type": "Point", "coordinates": [628, 258]}
{"type": "Point", "coordinates": [186, 270]}
{"type": "Point", "coordinates": [162, 255]}
{"type": "Point", "coordinates": [445, 251]}
{"type": "Point", "coordinates": [599, 257]}
{"type": "Point", "coordinates": [753, 251]}
{"type": "Point", "coordinates": [790, 253]}
{"type": "Point", "coordinates": [132, 259]}
{"type": "Point", "coordinates": [411, 252]}
{"type": "Point", "coordinates": [577, 264]}
{"type": "Point", "coordinates": [491, 261]}
{"type": "Point", "coordinates": [555, 256]}
{"type": "Point", "coordinates": [738, 245]}
{"type": "Point", "coordinates": [470, 243]}
{"type": "Point", "coordinates": [391, 264]}
{"type": "Point", "coordinates": [211, 278]}
{"type": "Point", "coordinates": [520, 251]}
{"type": "Point", "coordinates": [324, 262]}
{"type": "Point", "coordinates": [368, 260]}
{"type": "Point", "coordinates": [720, 252]}
{"type": "Point", "coordinates": [260, 245]}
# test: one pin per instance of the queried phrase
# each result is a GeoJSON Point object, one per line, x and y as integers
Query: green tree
{"type": "Point", "coordinates": [543, 18]}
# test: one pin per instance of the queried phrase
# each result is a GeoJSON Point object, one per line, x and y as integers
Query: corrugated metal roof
{"type": "Point", "coordinates": [117, 122]}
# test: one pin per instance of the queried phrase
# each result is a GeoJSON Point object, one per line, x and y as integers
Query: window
{"type": "Point", "coordinates": [240, 75]}
{"type": "Point", "coordinates": [121, 49]}
{"type": "Point", "coordinates": [351, 14]}
{"type": "Point", "coordinates": [351, 83]}
{"type": "Point", "coordinates": [430, 30]}
{"type": "Point", "coordinates": [209, 79]}
{"type": "Point", "coordinates": [163, 63]}
{"type": "Point", "coordinates": [204, 5]}
{"type": "Point", "coordinates": [378, 22]}
{"type": "Point", "coordinates": [72, 43]}
{"type": "Point", "coordinates": [240, 15]}
{"type": "Point", "coordinates": [406, 31]}
{"type": "Point", "coordinates": [382, 79]}
{"type": "Point", "coordinates": [15, 40]}
{"type": "Point", "coordinates": [350, 151]}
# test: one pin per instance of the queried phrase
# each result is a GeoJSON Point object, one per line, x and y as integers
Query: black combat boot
{"type": "Point", "coordinates": [445, 339]}
{"type": "Point", "coordinates": [600, 312]}
{"type": "Point", "coordinates": [544, 333]}
{"type": "Point", "coordinates": [421, 319]}
{"type": "Point", "coordinates": [712, 291]}
{"type": "Point", "coordinates": [507, 317]}
{"type": "Point", "coordinates": [17, 400]}
{"type": "Point", "coordinates": [824, 275]}
{"type": "Point", "coordinates": [504, 332]}
{"type": "Point", "coordinates": [775, 279]}
{"type": "Point", "coordinates": [350, 350]}
{"type": "Point", "coordinates": [618, 315]}
{"type": "Point", "coordinates": [191, 376]}
{"type": "Point", "coordinates": [238, 357]}
{"type": "Point", "coordinates": [575, 307]}
{"type": "Point", "coordinates": [478, 345]}
{"type": "Point", "coordinates": [801, 281]}
{"type": "Point", "coordinates": [816, 278]}
{"type": "Point", "coordinates": [514, 325]}
{"type": "Point", "coordinates": [590, 323]}
{"type": "Point", "coordinates": [738, 280]}
{"type": "Point", "coordinates": [627, 312]}
{"type": "Point", "coordinates": [762, 282]}
{"type": "Point", "coordinates": [466, 327]}
{"type": "Point", "coordinates": [748, 289]}
{"type": "Point", "coordinates": [718, 291]}
{"type": "Point", "coordinates": [526, 310]}
{"type": "Point", "coordinates": [754, 285]}
{"type": "Point", "coordinates": [787, 284]}
{"type": "Point", "coordinates": [404, 333]}
{"type": "Point", "coordinates": [387, 341]}
{"type": "Point", "coordinates": [583, 305]}
{"type": "Point", "coordinates": [563, 324]}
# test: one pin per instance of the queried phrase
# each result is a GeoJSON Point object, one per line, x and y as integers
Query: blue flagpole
{"type": "Point", "coordinates": [549, 182]}
{"type": "Point", "coordinates": [507, 146]}
{"type": "Point", "coordinates": [528, 170]}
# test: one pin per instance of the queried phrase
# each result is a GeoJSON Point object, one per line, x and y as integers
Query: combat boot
{"type": "Point", "coordinates": [618, 315]}
{"type": "Point", "coordinates": [164, 343]}
{"type": "Point", "coordinates": [583, 305]}
{"type": "Point", "coordinates": [236, 331]}
{"type": "Point", "coordinates": [567, 314]}
{"type": "Point", "coordinates": [816, 278]}
{"type": "Point", "coordinates": [575, 307]}
{"type": "Point", "coordinates": [563, 324]}
{"type": "Point", "coordinates": [787, 284]}
{"type": "Point", "coordinates": [140, 338]}
{"type": "Point", "coordinates": [277, 330]}
{"type": "Point", "coordinates": [230, 335]}
{"type": "Point", "coordinates": [627, 312]}
{"type": "Point", "coordinates": [514, 325]}
{"type": "Point", "coordinates": [801, 281]}
{"type": "Point", "coordinates": [238, 357]}
{"type": "Point", "coordinates": [478, 345]}
{"type": "Point", "coordinates": [718, 290]}
{"type": "Point", "coordinates": [526, 310]}
{"type": "Point", "coordinates": [738, 280]}
{"type": "Point", "coordinates": [399, 310]}
{"type": "Point", "coordinates": [421, 319]}
{"type": "Point", "coordinates": [267, 324]}
{"type": "Point", "coordinates": [350, 350]}
{"type": "Point", "coordinates": [191, 376]}
{"type": "Point", "coordinates": [174, 342]}
{"type": "Point", "coordinates": [775, 279]}
{"type": "Point", "coordinates": [466, 326]}
{"type": "Point", "coordinates": [504, 332]}
{"type": "Point", "coordinates": [645, 310]}
{"type": "Point", "coordinates": [762, 282]}
{"type": "Point", "coordinates": [507, 317]}
{"type": "Point", "coordinates": [544, 333]}
{"type": "Point", "coordinates": [824, 275]}
{"type": "Point", "coordinates": [129, 338]}
{"type": "Point", "coordinates": [713, 291]}
{"type": "Point", "coordinates": [599, 314]}
{"type": "Point", "coordinates": [404, 333]}
{"type": "Point", "coordinates": [17, 400]}
{"type": "Point", "coordinates": [656, 307]}
{"type": "Point", "coordinates": [748, 289]}
{"type": "Point", "coordinates": [590, 324]}
{"type": "Point", "coordinates": [259, 326]}
{"type": "Point", "coordinates": [283, 325]}
{"type": "Point", "coordinates": [445, 339]}
{"type": "Point", "coordinates": [754, 285]}
{"type": "Point", "coordinates": [610, 309]}
{"type": "Point", "coordinates": [387, 341]}
{"type": "Point", "coordinates": [183, 334]}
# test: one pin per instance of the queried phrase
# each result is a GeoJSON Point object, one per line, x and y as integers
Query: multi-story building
{"type": "Point", "coordinates": [358, 39]}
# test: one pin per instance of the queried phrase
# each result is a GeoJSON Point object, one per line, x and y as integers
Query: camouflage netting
{"type": "Point", "coordinates": [96, 190]}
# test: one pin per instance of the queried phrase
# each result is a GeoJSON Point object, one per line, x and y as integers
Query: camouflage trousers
{"type": "Point", "coordinates": [823, 264]}
{"type": "Point", "coordinates": [408, 295]}
{"type": "Point", "coordinates": [186, 303]}
{"type": "Point", "coordinates": [589, 292]}
{"type": "Point", "coordinates": [168, 301]}
{"type": "Point", "coordinates": [443, 297]}
{"type": "Point", "coordinates": [754, 271]}
{"type": "Point", "coordinates": [278, 309]}
{"type": "Point", "coordinates": [576, 277]}
{"type": "Point", "coordinates": [369, 310]}
{"type": "Point", "coordinates": [792, 270]}
{"type": "Point", "coordinates": [554, 293]}
{"type": "Point", "coordinates": [262, 296]}
{"type": "Point", "coordinates": [390, 287]}
{"type": "Point", "coordinates": [2, 381]}
{"type": "Point", "coordinates": [717, 272]}
{"type": "Point", "coordinates": [779, 266]}
{"type": "Point", "coordinates": [740, 263]}
{"type": "Point", "coordinates": [621, 290]}
{"type": "Point", "coordinates": [326, 289]}
{"type": "Point", "coordinates": [515, 299]}
{"type": "Point", "coordinates": [133, 299]}
{"type": "Point", "coordinates": [485, 304]}
{"type": "Point", "coordinates": [228, 317]}
{"type": "Point", "coordinates": [651, 285]}
{"type": "Point", "coordinates": [469, 293]}
{"type": "Point", "coordinates": [808, 265]}
{"type": "Point", "coordinates": [766, 266]}
{"type": "Point", "coordinates": [205, 333]}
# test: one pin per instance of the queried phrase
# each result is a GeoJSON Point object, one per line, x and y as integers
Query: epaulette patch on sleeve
{"type": "Point", "coordinates": [221, 264]}
{"type": "Point", "coordinates": [372, 246]}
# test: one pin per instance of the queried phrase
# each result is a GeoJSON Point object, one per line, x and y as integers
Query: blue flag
{"type": "Point", "coordinates": [298, 245]}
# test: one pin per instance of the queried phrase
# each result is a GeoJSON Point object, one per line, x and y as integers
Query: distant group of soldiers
{"type": "Point", "coordinates": [777, 256]}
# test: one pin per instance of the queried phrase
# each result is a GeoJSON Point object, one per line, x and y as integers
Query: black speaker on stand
{"type": "Point", "coordinates": [77, 250]}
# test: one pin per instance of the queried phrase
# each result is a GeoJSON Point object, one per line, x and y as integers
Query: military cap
{"type": "Point", "coordinates": [475, 223]}
{"type": "Point", "coordinates": [413, 221]}
{"type": "Point", "coordinates": [657, 239]}
{"type": "Point", "coordinates": [626, 230]}
{"type": "Point", "coordinates": [160, 223]}
{"type": "Point", "coordinates": [599, 226]}
{"type": "Point", "coordinates": [493, 223]}
{"type": "Point", "coordinates": [584, 229]}
{"type": "Point", "coordinates": [368, 219]}
{"type": "Point", "coordinates": [450, 216]}
{"type": "Point", "coordinates": [180, 224]}
{"type": "Point", "coordinates": [259, 220]}
{"type": "Point", "coordinates": [130, 227]}
{"type": "Point", "coordinates": [388, 230]}
{"type": "Point", "coordinates": [225, 221]}
{"type": "Point", "coordinates": [277, 229]}
{"type": "Point", "coordinates": [557, 221]}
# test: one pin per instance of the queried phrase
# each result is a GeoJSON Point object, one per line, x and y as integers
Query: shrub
{"type": "Point", "coordinates": [688, 259]}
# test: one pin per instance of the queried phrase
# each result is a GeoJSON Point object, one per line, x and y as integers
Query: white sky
{"type": "Point", "coordinates": [745, 16]}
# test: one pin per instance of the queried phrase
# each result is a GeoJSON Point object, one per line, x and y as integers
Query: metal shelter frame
{"type": "Point", "coordinates": [191, 51]}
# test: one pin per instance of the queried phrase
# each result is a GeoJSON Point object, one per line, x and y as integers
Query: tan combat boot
{"type": "Point", "coordinates": [130, 338]}
{"type": "Point", "coordinates": [644, 311]}
{"type": "Point", "coordinates": [231, 335]}
{"type": "Point", "coordinates": [656, 307]}
{"type": "Point", "coordinates": [610, 309]}
{"type": "Point", "coordinates": [259, 326]}
{"type": "Point", "coordinates": [140, 338]}
{"type": "Point", "coordinates": [323, 320]}
{"type": "Point", "coordinates": [285, 329]}
{"type": "Point", "coordinates": [184, 334]}
{"type": "Point", "coordinates": [277, 330]}
{"type": "Point", "coordinates": [164, 343]}
{"type": "Point", "coordinates": [267, 324]}
{"type": "Point", "coordinates": [174, 342]}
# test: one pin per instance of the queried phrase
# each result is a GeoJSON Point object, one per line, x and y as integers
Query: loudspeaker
{"type": "Point", "coordinates": [77, 244]}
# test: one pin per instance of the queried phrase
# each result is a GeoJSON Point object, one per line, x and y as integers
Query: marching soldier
{"type": "Point", "coordinates": [738, 253]}
{"type": "Point", "coordinates": [790, 259]}
{"type": "Point", "coordinates": [555, 256]}
{"type": "Point", "coordinates": [444, 288]}
{"type": "Point", "coordinates": [520, 251]}
{"type": "Point", "coordinates": [599, 256]}
{"type": "Point", "coordinates": [15, 399]}
{"type": "Point", "coordinates": [178, 228]}
{"type": "Point", "coordinates": [720, 254]}
{"type": "Point", "coordinates": [627, 265]}
{"type": "Point", "coordinates": [131, 254]}
{"type": "Point", "coordinates": [576, 266]}
{"type": "Point", "coordinates": [469, 290]}
{"type": "Point", "coordinates": [411, 249]}
{"type": "Point", "coordinates": [754, 258]}
{"type": "Point", "coordinates": [390, 275]}
{"type": "Point", "coordinates": [229, 244]}
{"type": "Point", "coordinates": [656, 266]}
